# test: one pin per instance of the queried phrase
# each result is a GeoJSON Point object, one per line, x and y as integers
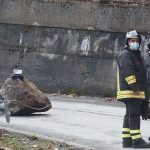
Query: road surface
{"type": "Point", "coordinates": [83, 121]}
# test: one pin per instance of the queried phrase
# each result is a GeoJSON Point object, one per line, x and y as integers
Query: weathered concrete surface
{"type": "Point", "coordinates": [62, 60]}
{"type": "Point", "coordinates": [67, 60]}
{"type": "Point", "coordinates": [76, 14]}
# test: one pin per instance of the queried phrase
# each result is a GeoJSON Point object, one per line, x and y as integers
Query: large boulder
{"type": "Point", "coordinates": [25, 96]}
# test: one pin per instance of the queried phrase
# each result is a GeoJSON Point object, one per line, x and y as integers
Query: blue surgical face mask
{"type": "Point", "coordinates": [134, 46]}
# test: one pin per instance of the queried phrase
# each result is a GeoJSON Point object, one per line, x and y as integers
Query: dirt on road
{"type": "Point", "coordinates": [15, 141]}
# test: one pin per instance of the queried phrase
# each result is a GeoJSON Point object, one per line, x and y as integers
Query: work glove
{"type": "Point", "coordinates": [145, 110]}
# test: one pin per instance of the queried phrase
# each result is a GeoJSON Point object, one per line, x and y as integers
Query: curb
{"type": "Point", "coordinates": [54, 140]}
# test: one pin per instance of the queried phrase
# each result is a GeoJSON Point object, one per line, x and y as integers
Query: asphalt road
{"type": "Point", "coordinates": [84, 121]}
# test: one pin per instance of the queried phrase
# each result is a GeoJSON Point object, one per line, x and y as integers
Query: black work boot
{"type": "Point", "coordinates": [127, 142]}
{"type": "Point", "coordinates": [140, 143]}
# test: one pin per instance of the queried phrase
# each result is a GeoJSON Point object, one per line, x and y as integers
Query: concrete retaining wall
{"type": "Point", "coordinates": [56, 50]}
{"type": "Point", "coordinates": [76, 14]}
{"type": "Point", "coordinates": [63, 60]}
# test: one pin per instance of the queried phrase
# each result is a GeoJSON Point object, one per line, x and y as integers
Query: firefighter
{"type": "Point", "coordinates": [131, 86]}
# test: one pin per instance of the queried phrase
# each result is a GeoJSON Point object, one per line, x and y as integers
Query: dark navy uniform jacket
{"type": "Point", "coordinates": [131, 76]}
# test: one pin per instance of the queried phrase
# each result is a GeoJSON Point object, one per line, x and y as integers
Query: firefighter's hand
{"type": "Point", "coordinates": [136, 92]}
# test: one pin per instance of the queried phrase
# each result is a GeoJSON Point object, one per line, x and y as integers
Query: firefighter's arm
{"type": "Point", "coordinates": [127, 69]}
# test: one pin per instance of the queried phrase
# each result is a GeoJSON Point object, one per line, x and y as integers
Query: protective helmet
{"type": "Point", "coordinates": [132, 34]}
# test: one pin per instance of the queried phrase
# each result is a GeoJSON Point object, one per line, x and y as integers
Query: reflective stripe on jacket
{"type": "Point", "coordinates": [131, 75]}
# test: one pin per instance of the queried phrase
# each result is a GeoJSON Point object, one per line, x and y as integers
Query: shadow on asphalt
{"type": "Point", "coordinates": [32, 115]}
